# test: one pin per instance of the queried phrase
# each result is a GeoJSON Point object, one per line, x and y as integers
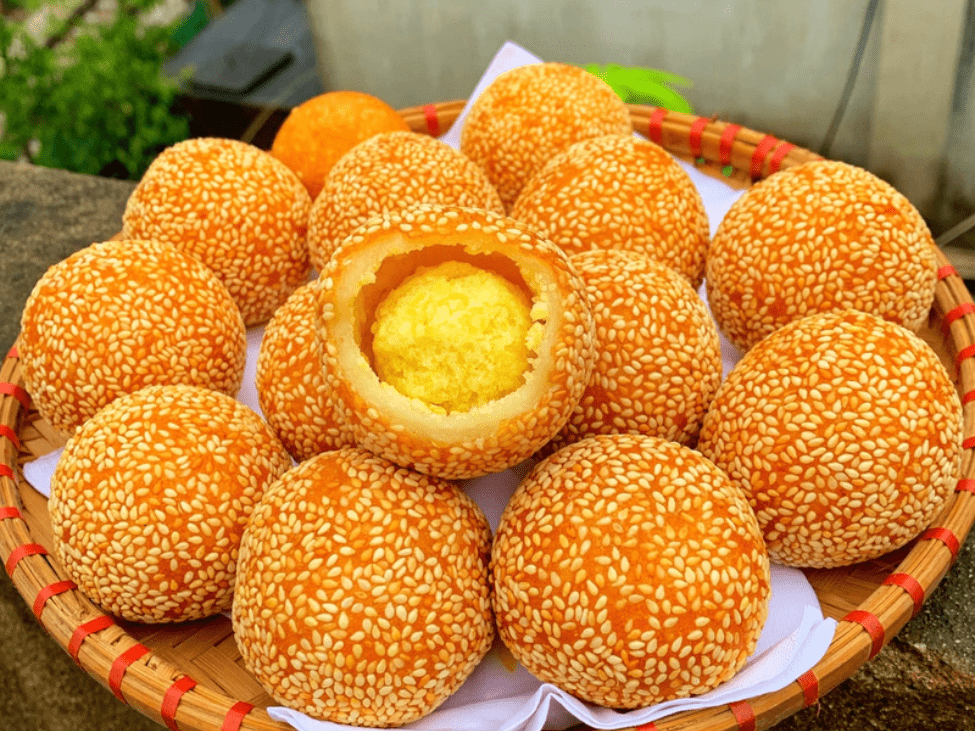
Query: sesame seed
{"type": "Point", "coordinates": [818, 237]}
{"type": "Point", "coordinates": [604, 661]}
{"type": "Point", "coordinates": [91, 332]}
{"type": "Point", "coordinates": [383, 175]}
{"type": "Point", "coordinates": [531, 113]}
{"type": "Point", "coordinates": [850, 499]}
{"type": "Point", "coordinates": [237, 209]}
{"type": "Point", "coordinates": [619, 192]}
{"type": "Point", "coordinates": [433, 635]}
{"type": "Point", "coordinates": [148, 579]}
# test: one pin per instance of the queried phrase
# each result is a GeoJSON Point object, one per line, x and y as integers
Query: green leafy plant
{"type": "Point", "coordinates": [636, 85]}
{"type": "Point", "coordinates": [98, 104]}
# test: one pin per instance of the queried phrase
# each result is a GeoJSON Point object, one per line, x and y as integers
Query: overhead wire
{"type": "Point", "coordinates": [851, 78]}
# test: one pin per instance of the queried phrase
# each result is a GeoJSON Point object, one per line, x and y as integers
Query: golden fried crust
{"type": "Point", "coordinates": [619, 192]}
{"type": "Point", "coordinates": [388, 173]}
{"type": "Point", "coordinates": [290, 385]}
{"type": "Point", "coordinates": [238, 210]}
{"type": "Point", "coordinates": [844, 430]}
{"type": "Point", "coordinates": [150, 498]}
{"type": "Point", "coordinates": [819, 237]}
{"type": "Point", "coordinates": [318, 132]}
{"type": "Point", "coordinates": [489, 438]}
{"type": "Point", "coordinates": [659, 356]}
{"type": "Point", "coordinates": [363, 594]}
{"type": "Point", "coordinates": [529, 114]}
{"type": "Point", "coordinates": [121, 315]}
{"type": "Point", "coordinates": [629, 570]}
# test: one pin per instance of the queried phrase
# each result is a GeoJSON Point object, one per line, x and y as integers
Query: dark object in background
{"type": "Point", "coordinates": [241, 69]}
{"type": "Point", "coordinates": [256, 57]}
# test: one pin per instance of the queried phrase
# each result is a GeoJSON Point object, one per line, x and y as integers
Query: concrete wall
{"type": "Point", "coordinates": [778, 67]}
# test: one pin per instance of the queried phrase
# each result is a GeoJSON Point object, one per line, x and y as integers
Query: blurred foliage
{"type": "Point", "coordinates": [636, 85]}
{"type": "Point", "coordinates": [97, 103]}
{"type": "Point", "coordinates": [187, 29]}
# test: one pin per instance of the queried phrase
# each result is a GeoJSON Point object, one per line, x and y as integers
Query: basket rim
{"type": "Point", "coordinates": [161, 691]}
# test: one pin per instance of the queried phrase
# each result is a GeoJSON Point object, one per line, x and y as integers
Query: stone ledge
{"type": "Point", "coordinates": [46, 215]}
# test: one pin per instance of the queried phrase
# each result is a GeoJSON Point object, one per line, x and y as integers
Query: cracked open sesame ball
{"type": "Point", "coordinates": [455, 341]}
{"type": "Point", "coordinates": [844, 430]}
{"type": "Point", "coordinates": [658, 360]}
{"type": "Point", "coordinates": [388, 173]}
{"type": "Point", "coordinates": [619, 192]}
{"type": "Point", "coordinates": [529, 114]}
{"type": "Point", "coordinates": [363, 594]}
{"type": "Point", "coordinates": [291, 389]}
{"type": "Point", "coordinates": [238, 210]}
{"type": "Point", "coordinates": [819, 237]}
{"type": "Point", "coordinates": [150, 498]}
{"type": "Point", "coordinates": [317, 132]}
{"type": "Point", "coordinates": [628, 570]}
{"type": "Point", "coordinates": [121, 315]}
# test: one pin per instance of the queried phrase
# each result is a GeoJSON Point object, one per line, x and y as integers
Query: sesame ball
{"type": "Point", "coordinates": [150, 498]}
{"type": "Point", "coordinates": [629, 570]}
{"type": "Point", "coordinates": [363, 594]}
{"type": "Point", "coordinates": [387, 173]}
{"type": "Point", "coordinates": [117, 316]}
{"type": "Point", "coordinates": [291, 388]}
{"type": "Point", "coordinates": [529, 114]}
{"type": "Point", "coordinates": [659, 356]}
{"type": "Point", "coordinates": [844, 430]}
{"type": "Point", "coordinates": [814, 238]}
{"type": "Point", "coordinates": [238, 210]}
{"type": "Point", "coordinates": [319, 131]}
{"type": "Point", "coordinates": [454, 339]}
{"type": "Point", "coordinates": [619, 192]}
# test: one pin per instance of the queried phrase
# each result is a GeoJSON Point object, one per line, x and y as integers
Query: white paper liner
{"type": "Point", "coordinates": [501, 695]}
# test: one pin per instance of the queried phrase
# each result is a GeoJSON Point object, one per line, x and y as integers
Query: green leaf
{"type": "Point", "coordinates": [637, 85]}
{"type": "Point", "coordinates": [81, 101]}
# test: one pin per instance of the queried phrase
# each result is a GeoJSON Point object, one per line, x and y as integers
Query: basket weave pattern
{"type": "Point", "coordinates": [190, 676]}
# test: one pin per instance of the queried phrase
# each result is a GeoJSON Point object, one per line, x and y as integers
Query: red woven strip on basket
{"type": "Point", "coordinates": [945, 536]}
{"type": "Point", "coordinates": [58, 587]}
{"type": "Point", "coordinates": [433, 121]}
{"type": "Point", "coordinates": [744, 715]}
{"type": "Point", "coordinates": [171, 699]}
{"type": "Point", "coordinates": [966, 484]}
{"type": "Point", "coordinates": [649, 726]}
{"type": "Point", "coordinates": [235, 716]}
{"type": "Point", "coordinates": [83, 630]}
{"type": "Point", "coordinates": [9, 511]}
{"type": "Point", "coordinates": [120, 666]}
{"type": "Point", "coordinates": [655, 127]}
{"type": "Point", "coordinates": [872, 625]}
{"type": "Point", "coordinates": [810, 688]}
{"type": "Point", "coordinates": [13, 352]}
{"type": "Point", "coordinates": [775, 162]}
{"type": "Point", "coordinates": [946, 271]}
{"type": "Point", "coordinates": [6, 431]}
{"type": "Point", "coordinates": [697, 129]}
{"type": "Point", "coordinates": [763, 148]}
{"type": "Point", "coordinates": [965, 308]}
{"type": "Point", "coordinates": [21, 552]}
{"type": "Point", "coordinates": [727, 142]}
{"type": "Point", "coordinates": [911, 585]}
{"type": "Point", "coordinates": [966, 352]}
{"type": "Point", "coordinates": [12, 389]}
{"type": "Point", "coordinates": [6, 471]}
{"type": "Point", "coordinates": [969, 442]}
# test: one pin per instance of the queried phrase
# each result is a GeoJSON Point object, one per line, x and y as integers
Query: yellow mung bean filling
{"type": "Point", "coordinates": [455, 336]}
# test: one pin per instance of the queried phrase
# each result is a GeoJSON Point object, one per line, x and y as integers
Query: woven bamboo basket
{"type": "Point", "coordinates": [191, 677]}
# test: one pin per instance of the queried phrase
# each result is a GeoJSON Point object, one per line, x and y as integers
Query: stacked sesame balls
{"type": "Point", "coordinates": [444, 340]}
